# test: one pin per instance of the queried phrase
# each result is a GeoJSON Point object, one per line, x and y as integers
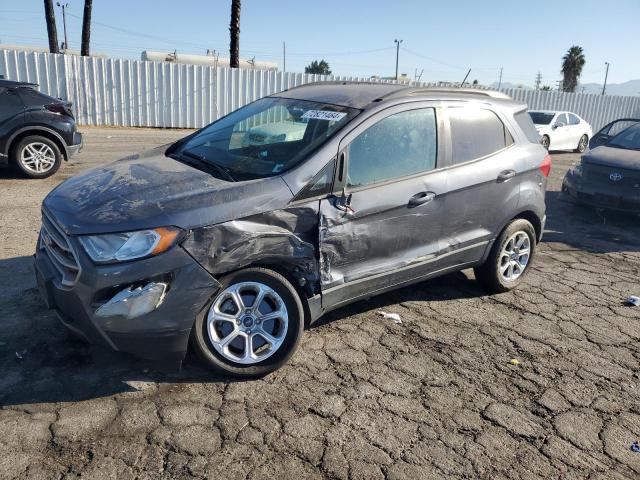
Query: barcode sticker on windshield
{"type": "Point", "coordinates": [324, 115]}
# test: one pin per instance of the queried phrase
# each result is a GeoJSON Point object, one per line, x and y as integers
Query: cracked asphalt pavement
{"type": "Point", "coordinates": [437, 396]}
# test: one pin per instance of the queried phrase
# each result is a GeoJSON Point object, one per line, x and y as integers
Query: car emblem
{"type": "Point", "coordinates": [615, 177]}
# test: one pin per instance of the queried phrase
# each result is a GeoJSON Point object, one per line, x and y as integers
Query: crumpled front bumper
{"type": "Point", "coordinates": [600, 196]}
{"type": "Point", "coordinates": [161, 334]}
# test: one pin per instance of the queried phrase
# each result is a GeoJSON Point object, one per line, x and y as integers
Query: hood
{"type": "Point", "coordinates": [613, 157]}
{"type": "Point", "coordinates": [152, 190]}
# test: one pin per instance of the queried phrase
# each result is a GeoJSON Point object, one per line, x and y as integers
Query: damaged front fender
{"type": "Point", "coordinates": [283, 239]}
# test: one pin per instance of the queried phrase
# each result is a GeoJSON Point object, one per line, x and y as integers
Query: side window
{"type": "Point", "coordinates": [320, 184]}
{"type": "Point", "coordinates": [561, 120]}
{"type": "Point", "coordinates": [397, 146]}
{"type": "Point", "coordinates": [619, 126]}
{"type": "Point", "coordinates": [476, 133]}
{"type": "Point", "coordinates": [526, 124]}
{"type": "Point", "coordinates": [573, 119]}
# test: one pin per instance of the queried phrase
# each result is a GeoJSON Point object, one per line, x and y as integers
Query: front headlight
{"type": "Point", "coordinates": [577, 170]}
{"type": "Point", "coordinates": [120, 247]}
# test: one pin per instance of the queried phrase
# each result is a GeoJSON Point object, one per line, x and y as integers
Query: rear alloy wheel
{"type": "Point", "coordinates": [582, 144]}
{"type": "Point", "coordinates": [546, 141]}
{"type": "Point", "coordinates": [36, 157]}
{"type": "Point", "coordinates": [510, 257]}
{"type": "Point", "coordinates": [253, 325]}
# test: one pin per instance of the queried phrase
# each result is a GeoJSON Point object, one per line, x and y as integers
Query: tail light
{"type": "Point", "coordinates": [545, 167]}
{"type": "Point", "coordinates": [60, 109]}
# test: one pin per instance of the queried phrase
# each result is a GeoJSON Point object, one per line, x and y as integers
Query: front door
{"type": "Point", "coordinates": [561, 136]}
{"type": "Point", "coordinates": [381, 227]}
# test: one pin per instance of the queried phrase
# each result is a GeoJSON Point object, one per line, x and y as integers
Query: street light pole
{"type": "Point", "coordinates": [606, 74]}
{"type": "Point", "coordinates": [64, 24]}
{"type": "Point", "coordinates": [398, 42]}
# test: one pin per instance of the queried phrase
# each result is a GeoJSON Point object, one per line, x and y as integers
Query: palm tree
{"type": "Point", "coordinates": [234, 31]}
{"type": "Point", "coordinates": [321, 67]}
{"type": "Point", "coordinates": [86, 28]}
{"type": "Point", "coordinates": [52, 33]}
{"type": "Point", "coordinates": [572, 64]}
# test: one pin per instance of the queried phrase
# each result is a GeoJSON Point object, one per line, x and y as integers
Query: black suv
{"type": "Point", "coordinates": [240, 234]}
{"type": "Point", "coordinates": [36, 131]}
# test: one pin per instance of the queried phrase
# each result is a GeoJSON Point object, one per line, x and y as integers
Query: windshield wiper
{"type": "Point", "coordinates": [207, 164]}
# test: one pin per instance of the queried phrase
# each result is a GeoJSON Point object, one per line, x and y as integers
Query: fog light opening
{"type": "Point", "coordinates": [134, 301]}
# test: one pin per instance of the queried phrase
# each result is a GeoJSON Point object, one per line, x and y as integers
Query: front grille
{"type": "Point", "coordinates": [601, 174]}
{"type": "Point", "coordinates": [54, 242]}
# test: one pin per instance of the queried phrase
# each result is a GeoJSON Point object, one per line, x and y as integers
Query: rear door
{"type": "Point", "coordinates": [11, 115]}
{"type": "Point", "coordinates": [576, 129]}
{"type": "Point", "coordinates": [483, 182]}
{"type": "Point", "coordinates": [382, 225]}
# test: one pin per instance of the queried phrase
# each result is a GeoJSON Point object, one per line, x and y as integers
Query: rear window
{"type": "Point", "coordinates": [476, 133]}
{"type": "Point", "coordinates": [526, 125]}
{"type": "Point", "coordinates": [541, 118]}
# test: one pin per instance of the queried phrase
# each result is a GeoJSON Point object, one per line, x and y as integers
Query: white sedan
{"type": "Point", "coordinates": [562, 130]}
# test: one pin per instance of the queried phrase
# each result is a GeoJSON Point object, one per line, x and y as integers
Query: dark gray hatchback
{"type": "Point", "coordinates": [237, 236]}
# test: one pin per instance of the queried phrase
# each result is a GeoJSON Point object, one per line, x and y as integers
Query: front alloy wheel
{"type": "Point", "coordinates": [546, 141]}
{"type": "Point", "coordinates": [247, 323]}
{"type": "Point", "coordinates": [252, 326]}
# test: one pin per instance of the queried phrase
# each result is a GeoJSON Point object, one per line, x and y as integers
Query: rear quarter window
{"type": "Point", "coordinates": [523, 119]}
{"type": "Point", "coordinates": [476, 133]}
{"type": "Point", "coordinates": [32, 97]}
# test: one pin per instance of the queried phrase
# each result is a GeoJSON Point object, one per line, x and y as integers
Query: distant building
{"type": "Point", "coordinates": [402, 78]}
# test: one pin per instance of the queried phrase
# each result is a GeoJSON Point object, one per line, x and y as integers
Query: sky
{"type": "Point", "coordinates": [441, 39]}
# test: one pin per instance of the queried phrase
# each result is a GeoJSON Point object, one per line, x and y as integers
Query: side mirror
{"type": "Point", "coordinates": [554, 126]}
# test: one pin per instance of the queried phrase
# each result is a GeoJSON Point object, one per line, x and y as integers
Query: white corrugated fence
{"type": "Point", "coordinates": [132, 93]}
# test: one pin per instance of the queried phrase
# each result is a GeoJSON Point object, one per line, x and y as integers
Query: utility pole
{"type": "Point", "coordinates": [64, 23]}
{"type": "Point", "coordinates": [284, 57]}
{"type": "Point", "coordinates": [398, 42]}
{"type": "Point", "coordinates": [86, 28]}
{"type": "Point", "coordinates": [606, 74]}
{"type": "Point", "coordinates": [500, 79]}
{"type": "Point", "coordinates": [52, 33]}
{"type": "Point", "coordinates": [538, 80]}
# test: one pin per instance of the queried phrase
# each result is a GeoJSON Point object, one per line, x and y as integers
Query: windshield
{"type": "Point", "coordinates": [265, 138]}
{"type": "Point", "coordinates": [629, 138]}
{"type": "Point", "coordinates": [541, 118]}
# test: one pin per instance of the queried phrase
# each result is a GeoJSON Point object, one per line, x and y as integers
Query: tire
{"type": "Point", "coordinates": [546, 141]}
{"type": "Point", "coordinates": [490, 273]}
{"type": "Point", "coordinates": [213, 327]}
{"type": "Point", "coordinates": [582, 144]}
{"type": "Point", "coordinates": [36, 157]}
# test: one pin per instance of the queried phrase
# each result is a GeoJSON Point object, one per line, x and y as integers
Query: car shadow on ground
{"type": "Point", "coordinates": [43, 363]}
{"type": "Point", "coordinates": [10, 173]}
{"type": "Point", "coordinates": [588, 228]}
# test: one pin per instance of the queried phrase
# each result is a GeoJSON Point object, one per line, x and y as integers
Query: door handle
{"type": "Point", "coordinates": [421, 198]}
{"type": "Point", "coordinates": [506, 175]}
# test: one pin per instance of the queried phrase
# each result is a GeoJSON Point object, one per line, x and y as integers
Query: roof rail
{"type": "Point", "coordinates": [467, 91]}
